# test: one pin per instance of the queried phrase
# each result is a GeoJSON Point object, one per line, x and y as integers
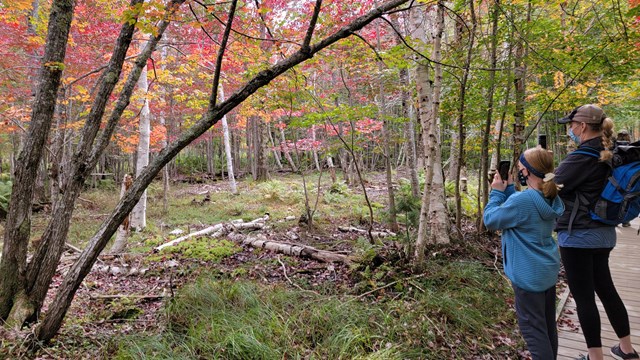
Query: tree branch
{"type": "Point", "coordinates": [375, 51]}
{"type": "Point", "coordinates": [312, 26]}
{"type": "Point", "coordinates": [565, 88]}
{"type": "Point", "coordinates": [223, 46]}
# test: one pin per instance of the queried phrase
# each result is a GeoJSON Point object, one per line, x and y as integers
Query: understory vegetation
{"type": "Point", "coordinates": [221, 300]}
{"type": "Point", "coordinates": [458, 310]}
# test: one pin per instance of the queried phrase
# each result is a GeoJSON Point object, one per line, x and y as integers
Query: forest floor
{"type": "Point", "coordinates": [126, 294]}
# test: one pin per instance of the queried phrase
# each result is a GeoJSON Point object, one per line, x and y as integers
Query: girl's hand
{"type": "Point", "coordinates": [498, 183]}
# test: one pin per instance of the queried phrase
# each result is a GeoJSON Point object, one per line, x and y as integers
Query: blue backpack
{"type": "Point", "coordinates": [619, 201]}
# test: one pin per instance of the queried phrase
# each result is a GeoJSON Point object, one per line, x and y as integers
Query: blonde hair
{"type": "Point", "coordinates": [607, 137]}
{"type": "Point", "coordinates": [542, 160]}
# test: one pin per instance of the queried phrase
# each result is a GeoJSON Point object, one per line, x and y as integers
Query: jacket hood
{"type": "Point", "coordinates": [547, 211]}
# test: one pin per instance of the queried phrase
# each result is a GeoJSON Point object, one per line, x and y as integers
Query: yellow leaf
{"type": "Point", "coordinates": [558, 80]}
{"type": "Point", "coordinates": [19, 5]}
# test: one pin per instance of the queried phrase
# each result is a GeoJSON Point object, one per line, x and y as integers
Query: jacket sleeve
{"type": "Point", "coordinates": [502, 210]}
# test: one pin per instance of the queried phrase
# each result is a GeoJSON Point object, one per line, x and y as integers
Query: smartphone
{"type": "Point", "coordinates": [542, 141]}
{"type": "Point", "coordinates": [503, 169]}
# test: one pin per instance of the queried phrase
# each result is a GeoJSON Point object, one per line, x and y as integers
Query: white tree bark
{"type": "Point", "coordinates": [494, 156]}
{"type": "Point", "coordinates": [139, 213]}
{"type": "Point", "coordinates": [276, 153]}
{"type": "Point", "coordinates": [287, 153]}
{"type": "Point", "coordinates": [418, 19]}
{"type": "Point", "coordinates": [315, 152]}
{"type": "Point", "coordinates": [121, 235]}
{"type": "Point", "coordinates": [436, 217]}
{"type": "Point", "coordinates": [227, 148]}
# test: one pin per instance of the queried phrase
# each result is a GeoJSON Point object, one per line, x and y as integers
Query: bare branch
{"type": "Point", "coordinates": [312, 26]}
{"type": "Point", "coordinates": [375, 51]}
{"type": "Point", "coordinates": [569, 83]}
{"type": "Point", "coordinates": [223, 45]}
{"type": "Point", "coordinates": [201, 26]}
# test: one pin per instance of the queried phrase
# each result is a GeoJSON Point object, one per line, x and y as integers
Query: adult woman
{"type": "Point", "coordinates": [529, 252]}
{"type": "Point", "coordinates": [584, 243]}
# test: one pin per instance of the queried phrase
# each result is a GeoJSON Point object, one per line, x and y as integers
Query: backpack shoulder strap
{"type": "Point", "coordinates": [580, 200]}
{"type": "Point", "coordinates": [589, 151]}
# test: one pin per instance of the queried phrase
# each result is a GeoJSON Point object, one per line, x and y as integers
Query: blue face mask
{"type": "Point", "coordinates": [574, 137]}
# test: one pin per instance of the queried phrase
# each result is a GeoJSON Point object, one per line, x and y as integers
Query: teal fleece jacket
{"type": "Point", "coordinates": [529, 254]}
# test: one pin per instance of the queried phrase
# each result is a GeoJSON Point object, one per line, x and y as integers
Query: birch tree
{"type": "Point", "coordinates": [139, 213]}
{"type": "Point", "coordinates": [438, 214]}
{"type": "Point", "coordinates": [227, 148]}
{"type": "Point", "coordinates": [433, 210]}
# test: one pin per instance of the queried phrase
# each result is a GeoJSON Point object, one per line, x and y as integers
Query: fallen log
{"type": "Point", "coordinates": [205, 231]}
{"type": "Point", "coordinates": [362, 231]}
{"type": "Point", "coordinates": [260, 241]}
{"type": "Point", "coordinates": [124, 270]}
{"type": "Point", "coordinates": [219, 230]}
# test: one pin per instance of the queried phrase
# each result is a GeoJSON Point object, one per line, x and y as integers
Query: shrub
{"type": "Point", "coordinates": [5, 195]}
{"type": "Point", "coordinates": [191, 163]}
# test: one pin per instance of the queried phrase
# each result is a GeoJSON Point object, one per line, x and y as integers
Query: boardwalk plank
{"type": "Point", "coordinates": [625, 270]}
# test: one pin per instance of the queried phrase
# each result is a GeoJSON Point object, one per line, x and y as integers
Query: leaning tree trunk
{"type": "Point", "coordinates": [78, 271]}
{"type": "Point", "coordinates": [274, 149]}
{"type": "Point", "coordinates": [13, 265]}
{"type": "Point", "coordinates": [285, 149]}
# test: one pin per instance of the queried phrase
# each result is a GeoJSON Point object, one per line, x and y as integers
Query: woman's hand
{"type": "Point", "coordinates": [498, 183]}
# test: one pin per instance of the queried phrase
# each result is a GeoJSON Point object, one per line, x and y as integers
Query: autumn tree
{"type": "Point", "coordinates": [16, 237]}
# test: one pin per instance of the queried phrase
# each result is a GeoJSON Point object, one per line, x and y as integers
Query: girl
{"type": "Point", "coordinates": [529, 252]}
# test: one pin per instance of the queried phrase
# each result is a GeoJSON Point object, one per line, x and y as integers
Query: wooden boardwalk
{"type": "Point", "coordinates": [625, 268]}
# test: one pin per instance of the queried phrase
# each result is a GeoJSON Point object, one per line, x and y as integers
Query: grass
{"type": "Point", "coordinates": [280, 198]}
{"type": "Point", "coordinates": [454, 312]}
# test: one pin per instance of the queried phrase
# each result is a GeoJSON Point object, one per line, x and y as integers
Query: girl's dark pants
{"type": "Point", "coordinates": [536, 313]}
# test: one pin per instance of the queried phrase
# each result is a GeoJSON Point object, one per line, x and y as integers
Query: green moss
{"type": "Point", "coordinates": [204, 248]}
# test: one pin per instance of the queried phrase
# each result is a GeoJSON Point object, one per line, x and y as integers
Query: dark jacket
{"type": "Point", "coordinates": [586, 175]}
